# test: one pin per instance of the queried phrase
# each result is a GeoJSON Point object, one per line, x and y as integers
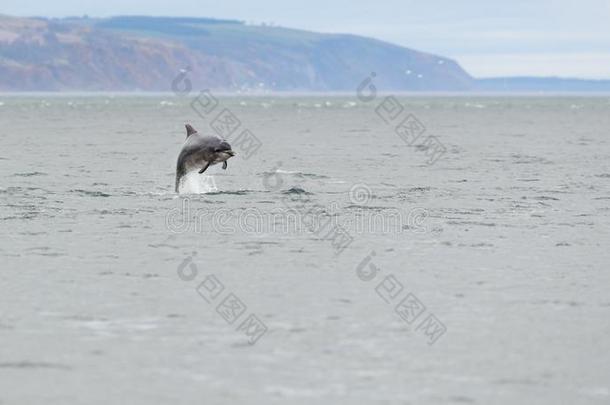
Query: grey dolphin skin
{"type": "Point", "coordinates": [200, 152]}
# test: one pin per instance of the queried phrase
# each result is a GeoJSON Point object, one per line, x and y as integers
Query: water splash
{"type": "Point", "coordinates": [195, 183]}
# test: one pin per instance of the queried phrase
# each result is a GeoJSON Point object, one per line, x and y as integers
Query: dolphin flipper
{"type": "Point", "coordinates": [224, 165]}
{"type": "Point", "coordinates": [204, 168]}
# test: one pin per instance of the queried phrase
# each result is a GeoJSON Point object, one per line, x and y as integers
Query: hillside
{"type": "Point", "coordinates": [146, 53]}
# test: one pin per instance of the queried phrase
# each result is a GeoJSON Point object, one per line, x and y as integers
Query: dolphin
{"type": "Point", "coordinates": [201, 151]}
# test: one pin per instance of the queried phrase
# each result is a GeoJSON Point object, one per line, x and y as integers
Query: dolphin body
{"type": "Point", "coordinates": [201, 151]}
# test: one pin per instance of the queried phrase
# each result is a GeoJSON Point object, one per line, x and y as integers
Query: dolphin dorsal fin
{"type": "Point", "coordinates": [190, 130]}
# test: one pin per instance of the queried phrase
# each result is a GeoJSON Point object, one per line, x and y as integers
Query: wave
{"type": "Point", "coordinates": [295, 174]}
{"type": "Point", "coordinates": [233, 192]}
{"type": "Point", "coordinates": [30, 174]}
{"type": "Point", "coordinates": [296, 190]}
{"type": "Point", "coordinates": [90, 193]}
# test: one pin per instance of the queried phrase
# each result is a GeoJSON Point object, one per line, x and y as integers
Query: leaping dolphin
{"type": "Point", "coordinates": [201, 151]}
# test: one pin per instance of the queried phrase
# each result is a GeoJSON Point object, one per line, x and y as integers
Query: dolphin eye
{"type": "Point", "coordinates": [223, 146]}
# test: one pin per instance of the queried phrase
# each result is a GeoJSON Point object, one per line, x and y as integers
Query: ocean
{"type": "Point", "coordinates": [408, 249]}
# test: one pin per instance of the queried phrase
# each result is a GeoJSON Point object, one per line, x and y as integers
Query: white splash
{"type": "Point", "coordinates": [195, 183]}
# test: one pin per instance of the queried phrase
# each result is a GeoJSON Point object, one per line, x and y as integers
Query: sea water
{"type": "Point", "coordinates": [377, 269]}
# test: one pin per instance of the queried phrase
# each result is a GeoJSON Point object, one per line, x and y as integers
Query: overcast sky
{"type": "Point", "coordinates": [569, 38]}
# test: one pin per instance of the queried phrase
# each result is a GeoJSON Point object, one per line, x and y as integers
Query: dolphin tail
{"type": "Point", "coordinates": [177, 182]}
{"type": "Point", "coordinates": [180, 172]}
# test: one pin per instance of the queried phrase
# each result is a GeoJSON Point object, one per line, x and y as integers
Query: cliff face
{"type": "Point", "coordinates": [146, 53]}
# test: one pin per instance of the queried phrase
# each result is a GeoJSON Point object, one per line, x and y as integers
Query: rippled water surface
{"type": "Point", "coordinates": [502, 243]}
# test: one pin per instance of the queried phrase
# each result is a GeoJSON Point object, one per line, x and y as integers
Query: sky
{"type": "Point", "coordinates": [564, 38]}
